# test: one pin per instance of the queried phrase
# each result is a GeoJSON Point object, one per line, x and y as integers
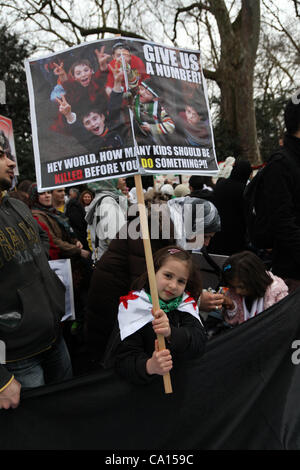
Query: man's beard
{"type": "Point", "coordinates": [4, 184]}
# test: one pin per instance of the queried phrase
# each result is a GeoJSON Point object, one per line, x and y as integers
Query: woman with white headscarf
{"type": "Point", "coordinates": [195, 221]}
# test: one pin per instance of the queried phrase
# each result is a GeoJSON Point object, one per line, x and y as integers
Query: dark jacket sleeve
{"type": "Point", "coordinates": [76, 216]}
{"type": "Point", "coordinates": [281, 206]}
{"type": "Point", "coordinates": [67, 249]}
{"type": "Point", "coordinates": [188, 336]}
{"type": "Point", "coordinates": [44, 239]}
{"type": "Point", "coordinates": [131, 359]}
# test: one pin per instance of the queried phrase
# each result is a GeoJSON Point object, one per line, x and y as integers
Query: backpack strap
{"type": "Point", "coordinates": [282, 152]}
{"type": "Point", "coordinates": [211, 262]}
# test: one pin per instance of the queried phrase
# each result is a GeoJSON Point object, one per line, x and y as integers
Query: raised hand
{"type": "Point", "coordinates": [228, 303]}
{"type": "Point", "coordinates": [118, 77]}
{"type": "Point", "coordinates": [102, 58]}
{"type": "Point", "coordinates": [210, 301]}
{"type": "Point", "coordinates": [64, 107]}
{"type": "Point", "coordinates": [117, 73]}
{"type": "Point", "coordinates": [85, 253]}
{"type": "Point", "coordinates": [60, 71]}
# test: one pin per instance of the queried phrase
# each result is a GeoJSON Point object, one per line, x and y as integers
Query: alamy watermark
{"type": "Point", "coordinates": [2, 92]}
{"type": "Point", "coordinates": [296, 97]}
{"type": "Point", "coordinates": [185, 224]}
{"type": "Point", "coordinates": [295, 357]}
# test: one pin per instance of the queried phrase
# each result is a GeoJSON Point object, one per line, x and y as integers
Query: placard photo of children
{"type": "Point", "coordinates": [152, 121]}
{"type": "Point", "coordinates": [76, 79]}
{"type": "Point", "coordinates": [91, 103]}
{"type": "Point", "coordinates": [194, 123]}
{"type": "Point", "coordinates": [135, 67]}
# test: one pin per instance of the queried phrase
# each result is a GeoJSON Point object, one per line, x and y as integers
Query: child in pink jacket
{"type": "Point", "coordinates": [252, 289]}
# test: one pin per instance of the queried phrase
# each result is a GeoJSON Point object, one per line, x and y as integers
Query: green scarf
{"type": "Point", "coordinates": [106, 186]}
{"type": "Point", "coordinates": [167, 307]}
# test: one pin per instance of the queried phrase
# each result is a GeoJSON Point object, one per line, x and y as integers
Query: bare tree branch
{"type": "Point", "coordinates": [297, 7]}
{"type": "Point", "coordinates": [210, 74]}
{"type": "Point", "coordinates": [189, 8]}
{"type": "Point", "coordinates": [282, 27]}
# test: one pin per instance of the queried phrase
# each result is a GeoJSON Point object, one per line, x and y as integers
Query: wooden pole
{"type": "Point", "coordinates": [150, 266]}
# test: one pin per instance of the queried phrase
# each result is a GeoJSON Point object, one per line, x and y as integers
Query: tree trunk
{"type": "Point", "coordinates": [237, 111]}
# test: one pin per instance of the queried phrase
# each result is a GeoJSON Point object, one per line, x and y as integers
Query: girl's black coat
{"type": "Point", "coordinates": [187, 341]}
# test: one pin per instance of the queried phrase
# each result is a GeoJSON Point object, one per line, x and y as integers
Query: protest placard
{"type": "Point", "coordinates": [62, 267]}
{"type": "Point", "coordinates": [120, 107]}
{"type": "Point", "coordinates": [80, 113]}
{"type": "Point", "coordinates": [7, 136]}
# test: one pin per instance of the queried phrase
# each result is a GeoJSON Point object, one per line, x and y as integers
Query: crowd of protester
{"type": "Point", "coordinates": [94, 227]}
{"type": "Point", "coordinates": [90, 227]}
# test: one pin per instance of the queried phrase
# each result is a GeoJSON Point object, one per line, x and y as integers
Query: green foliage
{"type": "Point", "coordinates": [270, 127]}
{"type": "Point", "coordinates": [12, 72]}
{"type": "Point", "coordinates": [226, 143]}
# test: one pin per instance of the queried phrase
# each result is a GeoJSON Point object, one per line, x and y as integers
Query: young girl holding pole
{"type": "Point", "coordinates": [137, 357]}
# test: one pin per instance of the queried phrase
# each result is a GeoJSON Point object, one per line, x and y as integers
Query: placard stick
{"type": "Point", "coordinates": [146, 241]}
{"type": "Point", "coordinates": [150, 266]}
